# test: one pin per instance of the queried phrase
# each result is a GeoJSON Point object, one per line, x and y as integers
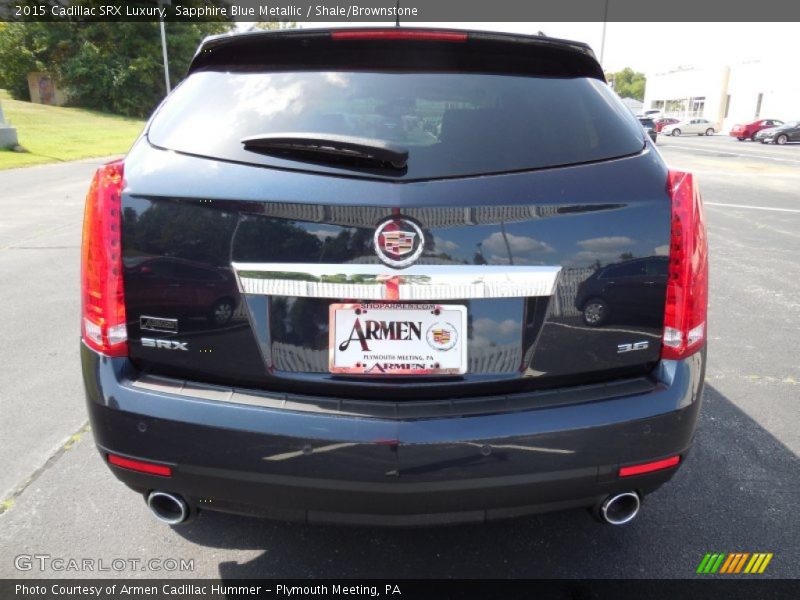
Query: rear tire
{"type": "Point", "coordinates": [595, 312]}
{"type": "Point", "coordinates": [710, 131]}
{"type": "Point", "coordinates": [781, 139]}
{"type": "Point", "coordinates": [740, 139]}
{"type": "Point", "coordinates": [676, 132]}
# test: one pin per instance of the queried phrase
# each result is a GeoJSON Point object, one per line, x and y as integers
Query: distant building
{"type": "Point", "coordinates": [727, 95]}
{"type": "Point", "coordinates": [763, 90]}
{"type": "Point", "coordinates": [563, 303]}
{"type": "Point", "coordinates": [688, 93]}
{"type": "Point", "coordinates": [634, 105]}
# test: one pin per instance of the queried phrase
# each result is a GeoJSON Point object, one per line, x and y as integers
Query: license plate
{"type": "Point", "coordinates": [398, 339]}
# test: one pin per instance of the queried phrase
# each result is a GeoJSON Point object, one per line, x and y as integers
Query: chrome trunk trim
{"type": "Point", "coordinates": [378, 282]}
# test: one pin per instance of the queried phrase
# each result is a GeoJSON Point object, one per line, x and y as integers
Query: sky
{"type": "Point", "coordinates": [654, 47]}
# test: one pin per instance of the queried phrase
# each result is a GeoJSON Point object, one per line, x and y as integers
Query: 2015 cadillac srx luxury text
{"type": "Point", "coordinates": [393, 276]}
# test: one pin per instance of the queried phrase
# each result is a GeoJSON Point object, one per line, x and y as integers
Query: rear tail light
{"type": "Point", "coordinates": [103, 302]}
{"type": "Point", "coordinates": [649, 467]}
{"type": "Point", "coordinates": [141, 466]}
{"type": "Point", "coordinates": [431, 35]}
{"type": "Point", "coordinates": [687, 276]}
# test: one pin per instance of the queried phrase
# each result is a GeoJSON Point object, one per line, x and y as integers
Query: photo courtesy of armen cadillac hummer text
{"type": "Point", "coordinates": [363, 276]}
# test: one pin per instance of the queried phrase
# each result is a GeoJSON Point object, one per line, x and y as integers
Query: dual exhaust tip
{"type": "Point", "coordinates": [168, 508]}
{"type": "Point", "coordinates": [616, 509]}
{"type": "Point", "coordinates": [619, 509]}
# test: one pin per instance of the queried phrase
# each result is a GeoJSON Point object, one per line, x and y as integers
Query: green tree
{"type": "Point", "coordinates": [628, 83]}
{"type": "Point", "coordinates": [26, 47]}
{"type": "Point", "coordinates": [115, 67]}
{"type": "Point", "coordinates": [274, 25]}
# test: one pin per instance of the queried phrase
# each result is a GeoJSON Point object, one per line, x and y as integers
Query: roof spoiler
{"type": "Point", "coordinates": [481, 51]}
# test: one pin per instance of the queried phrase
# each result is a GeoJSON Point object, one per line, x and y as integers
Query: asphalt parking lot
{"type": "Point", "coordinates": [737, 492]}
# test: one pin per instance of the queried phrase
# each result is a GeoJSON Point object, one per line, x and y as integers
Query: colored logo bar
{"type": "Point", "coordinates": [734, 563]}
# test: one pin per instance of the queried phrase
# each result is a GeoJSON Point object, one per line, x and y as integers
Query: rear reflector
{"type": "Point", "coordinates": [649, 467]}
{"type": "Point", "coordinates": [687, 281]}
{"type": "Point", "coordinates": [102, 299]}
{"type": "Point", "coordinates": [142, 467]}
{"type": "Point", "coordinates": [401, 34]}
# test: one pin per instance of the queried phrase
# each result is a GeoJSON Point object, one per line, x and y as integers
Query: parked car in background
{"type": "Point", "coordinates": [749, 130]}
{"type": "Point", "coordinates": [624, 291]}
{"type": "Point", "coordinates": [698, 126]}
{"type": "Point", "coordinates": [664, 121]}
{"type": "Point", "coordinates": [788, 132]}
{"type": "Point", "coordinates": [650, 127]}
{"type": "Point", "coordinates": [185, 288]}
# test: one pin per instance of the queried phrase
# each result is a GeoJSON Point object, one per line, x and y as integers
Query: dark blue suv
{"type": "Point", "coordinates": [335, 279]}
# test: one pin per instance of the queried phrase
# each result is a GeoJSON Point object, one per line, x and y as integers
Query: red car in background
{"type": "Point", "coordinates": [660, 123]}
{"type": "Point", "coordinates": [742, 132]}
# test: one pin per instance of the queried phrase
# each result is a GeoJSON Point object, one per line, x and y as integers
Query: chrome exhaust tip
{"type": "Point", "coordinates": [620, 508]}
{"type": "Point", "coordinates": [168, 508]}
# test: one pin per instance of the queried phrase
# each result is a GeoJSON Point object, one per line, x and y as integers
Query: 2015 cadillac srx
{"type": "Point", "coordinates": [342, 276]}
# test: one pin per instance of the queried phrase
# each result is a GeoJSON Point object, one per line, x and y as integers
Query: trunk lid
{"type": "Point", "coordinates": [530, 207]}
{"type": "Point", "coordinates": [185, 255]}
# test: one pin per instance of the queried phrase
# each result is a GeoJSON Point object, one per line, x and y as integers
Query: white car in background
{"type": "Point", "coordinates": [698, 126]}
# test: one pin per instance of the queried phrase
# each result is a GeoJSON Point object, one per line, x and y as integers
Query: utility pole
{"type": "Point", "coordinates": [161, 4]}
{"type": "Point", "coordinates": [603, 40]}
{"type": "Point", "coordinates": [505, 239]}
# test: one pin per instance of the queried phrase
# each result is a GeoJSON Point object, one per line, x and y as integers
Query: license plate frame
{"type": "Point", "coordinates": [415, 340]}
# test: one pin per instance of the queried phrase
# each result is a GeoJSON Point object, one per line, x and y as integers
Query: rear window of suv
{"type": "Point", "coordinates": [452, 124]}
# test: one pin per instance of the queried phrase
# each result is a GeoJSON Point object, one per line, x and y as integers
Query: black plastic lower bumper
{"type": "Point", "coordinates": [324, 467]}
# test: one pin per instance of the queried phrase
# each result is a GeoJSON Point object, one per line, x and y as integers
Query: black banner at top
{"type": "Point", "coordinates": [407, 11]}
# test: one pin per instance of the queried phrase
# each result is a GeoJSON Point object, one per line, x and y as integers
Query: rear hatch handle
{"type": "Point", "coordinates": [320, 145]}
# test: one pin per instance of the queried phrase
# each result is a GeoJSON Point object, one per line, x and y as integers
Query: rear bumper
{"type": "Point", "coordinates": [307, 463]}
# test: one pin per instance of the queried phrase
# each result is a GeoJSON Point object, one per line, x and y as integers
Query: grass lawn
{"type": "Point", "coordinates": [53, 133]}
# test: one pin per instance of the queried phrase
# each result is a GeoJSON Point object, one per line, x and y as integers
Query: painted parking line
{"type": "Point", "coordinates": [719, 151]}
{"type": "Point", "coordinates": [736, 170]}
{"type": "Point", "coordinates": [751, 207]}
